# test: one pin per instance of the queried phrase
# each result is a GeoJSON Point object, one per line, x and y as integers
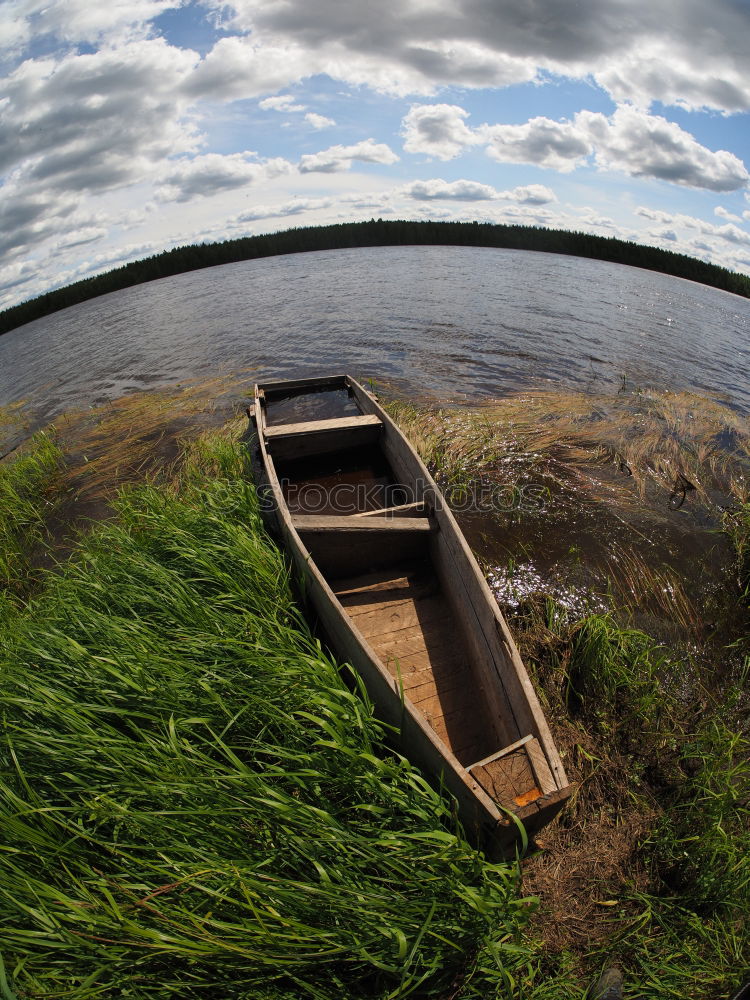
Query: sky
{"type": "Point", "coordinates": [132, 126]}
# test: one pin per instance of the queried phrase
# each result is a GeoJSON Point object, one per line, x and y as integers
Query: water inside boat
{"type": "Point", "coordinates": [304, 405]}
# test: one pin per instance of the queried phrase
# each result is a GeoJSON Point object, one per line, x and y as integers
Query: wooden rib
{"type": "Point", "coordinates": [356, 601]}
{"type": "Point", "coordinates": [400, 508]}
{"type": "Point", "coordinates": [292, 387]}
{"type": "Point", "coordinates": [363, 596]}
{"type": "Point", "coordinates": [365, 584]}
{"type": "Point", "coordinates": [502, 752]}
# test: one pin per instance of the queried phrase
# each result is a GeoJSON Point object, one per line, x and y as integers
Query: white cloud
{"type": "Point", "coordinates": [239, 67]}
{"type": "Point", "coordinates": [297, 206]}
{"type": "Point", "coordinates": [207, 175]}
{"type": "Point", "coordinates": [88, 122]}
{"type": "Point", "coordinates": [730, 233]}
{"type": "Point", "coordinates": [556, 145]}
{"type": "Point", "coordinates": [532, 194]}
{"type": "Point", "coordinates": [318, 121]}
{"type": "Point", "coordinates": [654, 214]}
{"type": "Point", "coordinates": [724, 214]}
{"type": "Point", "coordinates": [438, 130]}
{"type": "Point", "coordinates": [79, 237]}
{"type": "Point", "coordinates": [629, 140]}
{"type": "Point", "coordinates": [691, 73]}
{"type": "Point", "coordinates": [284, 102]}
{"type": "Point", "coordinates": [337, 158]}
{"type": "Point", "coordinates": [472, 191]}
{"type": "Point", "coordinates": [644, 145]}
{"type": "Point", "coordinates": [15, 30]}
{"type": "Point", "coordinates": [76, 21]}
{"type": "Point", "coordinates": [691, 53]}
{"type": "Point", "coordinates": [679, 223]}
{"type": "Point", "coordinates": [439, 190]}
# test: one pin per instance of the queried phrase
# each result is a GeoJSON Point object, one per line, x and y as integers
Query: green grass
{"type": "Point", "coordinates": [193, 803]}
{"type": "Point", "coordinates": [26, 500]}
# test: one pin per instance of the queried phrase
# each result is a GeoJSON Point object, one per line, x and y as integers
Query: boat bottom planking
{"type": "Point", "coordinates": [400, 597]}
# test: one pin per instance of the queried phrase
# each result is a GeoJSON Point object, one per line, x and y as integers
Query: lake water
{"type": "Point", "coordinates": [446, 323]}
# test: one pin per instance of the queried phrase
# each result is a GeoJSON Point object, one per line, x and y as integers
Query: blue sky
{"type": "Point", "coordinates": [131, 126]}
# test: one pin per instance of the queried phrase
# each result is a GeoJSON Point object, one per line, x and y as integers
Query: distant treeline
{"type": "Point", "coordinates": [375, 233]}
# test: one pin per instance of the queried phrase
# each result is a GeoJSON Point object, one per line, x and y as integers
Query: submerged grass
{"type": "Point", "coordinates": [674, 443]}
{"type": "Point", "coordinates": [193, 802]}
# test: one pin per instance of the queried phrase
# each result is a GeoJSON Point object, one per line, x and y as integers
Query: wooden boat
{"type": "Point", "coordinates": [401, 597]}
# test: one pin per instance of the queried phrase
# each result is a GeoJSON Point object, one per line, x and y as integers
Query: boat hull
{"type": "Point", "coordinates": [401, 598]}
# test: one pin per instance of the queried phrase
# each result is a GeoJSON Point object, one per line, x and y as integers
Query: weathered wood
{"type": "Point", "coordinates": [502, 753]}
{"type": "Point", "coordinates": [292, 387]}
{"type": "Point", "coordinates": [412, 579]}
{"type": "Point", "coordinates": [347, 524]}
{"type": "Point", "coordinates": [388, 620]}
{"type": "Point", "coordinates": [509, 780]}
{"type": "Point", "coordinates": [353, 594]}
{"type": "Point", "coordinates": [331, 425]}
{"type": "Point", "coordinates": [518, 773]}
{"type": "Point", "coordinates": [320, 437]}
{"type": "Point", "coordinates": [445, 673]}
{"type": "Point", "coordinates": [541, 768]}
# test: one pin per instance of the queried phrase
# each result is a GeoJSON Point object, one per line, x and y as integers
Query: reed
{"type": "Point", "coordinates": [194, 804]}
{"type": "Point", "coordinates": [27, 499]}
{"type": "Point", "coordinates": [616, 673]}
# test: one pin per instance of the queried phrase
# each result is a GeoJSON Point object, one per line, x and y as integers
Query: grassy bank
{"type": "Point", "coordinates": [194, 803]}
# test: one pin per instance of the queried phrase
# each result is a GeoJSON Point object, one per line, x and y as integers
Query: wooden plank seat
{"type": "Point", "coordinates": [311, 437]}
{"type": "Point", "coordinates": [330, 424]}
{"type": "Point", "coordinates": [326, 523]}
